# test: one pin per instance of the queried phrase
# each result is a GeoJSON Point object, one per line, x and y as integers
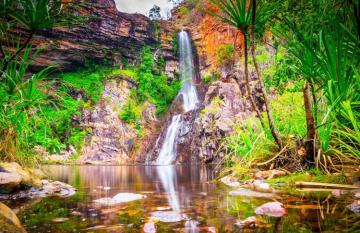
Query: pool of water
{"type": "Point", "coordinates": [183, 198]}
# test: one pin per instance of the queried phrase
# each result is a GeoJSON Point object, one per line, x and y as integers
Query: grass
{"type": "Point", "coordinates": [309, 176]}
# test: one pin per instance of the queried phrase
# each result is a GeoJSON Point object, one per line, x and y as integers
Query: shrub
{"type": "Point", "coordinates": [225, 54]}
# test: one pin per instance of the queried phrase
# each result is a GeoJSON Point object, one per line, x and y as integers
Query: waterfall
{"type": "Point", "coordinates": [190, 98]}
{"type": "Point", "coordinates": [167, 153]}
{"type": "Point", "coordinates": [187, 72]}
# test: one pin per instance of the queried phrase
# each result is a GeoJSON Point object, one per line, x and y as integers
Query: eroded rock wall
{"type": "Point", "coordinates": [107, 36]}
{"type": "Point", "coordinates": [110, 139]}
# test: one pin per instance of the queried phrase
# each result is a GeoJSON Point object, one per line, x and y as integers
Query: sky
{"type": "Point", "coordinates": [142, 6]}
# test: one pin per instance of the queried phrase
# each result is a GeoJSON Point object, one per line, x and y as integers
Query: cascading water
{"type": "Point", "coordinates": [190, 98]}
{"type": "Point", "coordinates": [187, 72]}
{"type": "Point", "coordinates": [167, 154]}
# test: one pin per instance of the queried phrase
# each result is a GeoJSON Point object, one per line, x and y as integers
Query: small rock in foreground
{"type": "Point", "coordinates": [354, 207]}
{"type": "Point", "coordinates": [47, 188]}
{"type": "Point", "coordinates": [250, 193]}
{"type": "Point", "coordinates": [272, 209]}
{"type": "Point", "coordinates": [230, 181]}
{"type": "Point", "coordinates": [150, 227]}
{"type": "Point", "coordinates": [119, 198]}
{"type": "Point", "coordinates": [167, 216]}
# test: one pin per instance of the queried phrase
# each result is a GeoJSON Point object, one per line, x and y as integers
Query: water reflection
{"type": "Point", "coordinates": [168, 180]}
{"type": "Point", "coordinates": [174, 193]}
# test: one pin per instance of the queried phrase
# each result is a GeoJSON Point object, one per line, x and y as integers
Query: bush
{"type": "Point", "coordinates": [225, 54]}
{"type": "Point", "coordinates": [131, 112]}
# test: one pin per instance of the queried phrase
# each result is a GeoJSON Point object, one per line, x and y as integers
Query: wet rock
{"type": "Point", "coordinates": [47, 188]}
{"type": "Point", "coordinates": [149, 227]}
{"type": "Point", "coordinates": [14, 177]}
{"type": "Point", "coordinates": [9, 182]}
{"type": "Point", "coordinates": [8, 221]}
{"type": "Point", "coordinates": [27, 177]}
{"type": "Point", "coordinates": [250, 193]}
{"type": "Point", "coordinates": [269, 174]}
{"type": "Point", "coordinates": [272, 209]}
{"type": "Point", "coordinates": [119, 199]}
{"type": "Point", "coordinates": [258, 185]}
{"type": "Point", "coordinates": [230, 181]}
{"type": "Point", "coordinates": [167, 216]}
{"type": "Point", "coordinates": [250, 222]}
{"type": "Point", "coordinates": [354, 207]}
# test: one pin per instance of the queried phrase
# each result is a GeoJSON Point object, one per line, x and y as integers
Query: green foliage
{"type": "Point", "coordinates": [152, 87]}
{"type": "Point", "coordinates": [131, 112]}
{"type": "Point", "coordinates": [209, 78]}
{"type": "Point", "coordinates": [175, 41]}
{"type": "Point", "coordinates": [183, 10]}
{"type": "Point", "coordinates": [87, 82]}
{"type": "Point", "coordinates": [225, 54]}
{"type": "Point", "coordinates": [249, 141]}
{"type": "Point", "coordinates": [236, 13]}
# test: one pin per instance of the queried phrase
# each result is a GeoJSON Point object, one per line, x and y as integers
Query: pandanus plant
{"type": "Point", "coordinates": [243, 17]}
{"type": "Point", "coordinates": [33, 16]}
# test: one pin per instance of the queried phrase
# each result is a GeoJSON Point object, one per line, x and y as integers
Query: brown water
{"type": "Point", "coordinates": [185, 192]}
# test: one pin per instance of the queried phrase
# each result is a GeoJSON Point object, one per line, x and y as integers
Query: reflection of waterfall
{"type": "Point", "coordinates": [167, 176]}
{"type": "Point", "coordinates": [167, 153]}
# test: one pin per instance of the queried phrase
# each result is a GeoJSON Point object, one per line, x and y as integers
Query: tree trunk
{"type": "Point", "coordinates": [272, 126]}
{"type": "Point", "coordinates": [248, 88]}
{"type": "Point", "coordinates": [310, 124]}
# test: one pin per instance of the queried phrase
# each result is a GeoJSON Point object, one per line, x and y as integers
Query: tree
{"type": "Point", "coordinates": [154, 13]}
{"type": "Point", "coordinates": [240, 16]}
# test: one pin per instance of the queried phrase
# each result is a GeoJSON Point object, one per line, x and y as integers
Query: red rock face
{"type": "Point", "coordinates": [208, 33]}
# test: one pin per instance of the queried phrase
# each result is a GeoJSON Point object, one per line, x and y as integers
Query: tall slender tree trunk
{"type": "Point", "coordinates": [310, 124]}
{"type": "Point", "coordinates": [272, 126]}
{"type": "Point", "coordinates": [248, 87]}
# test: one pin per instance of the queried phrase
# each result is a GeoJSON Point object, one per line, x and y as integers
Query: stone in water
{"type": "Point", "coordinates": [272, 209]}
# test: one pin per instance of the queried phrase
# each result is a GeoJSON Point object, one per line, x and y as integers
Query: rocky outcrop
{"type": "Point", "coordinates": [207, 32]}
{"type": "Point", "coordinates": [111, 140]}
{"type": "Point", "coordinates": [108, 36]}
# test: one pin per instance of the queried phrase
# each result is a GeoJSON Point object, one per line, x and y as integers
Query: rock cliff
{"type": "Point", "coordinates": [108, 36]}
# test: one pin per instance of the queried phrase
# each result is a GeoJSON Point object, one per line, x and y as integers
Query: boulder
{"type": "Point", "coordinates": [11, 173]}
{"type": "Point", "coordinates": [8, 221]}
{"type": "Point", "coordinates": [9, 182]}
{"type": "Point", "coordinates": [47, 188]}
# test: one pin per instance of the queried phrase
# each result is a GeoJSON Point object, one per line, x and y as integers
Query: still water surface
{"type": "Point", "coordinates": [185, 197]}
